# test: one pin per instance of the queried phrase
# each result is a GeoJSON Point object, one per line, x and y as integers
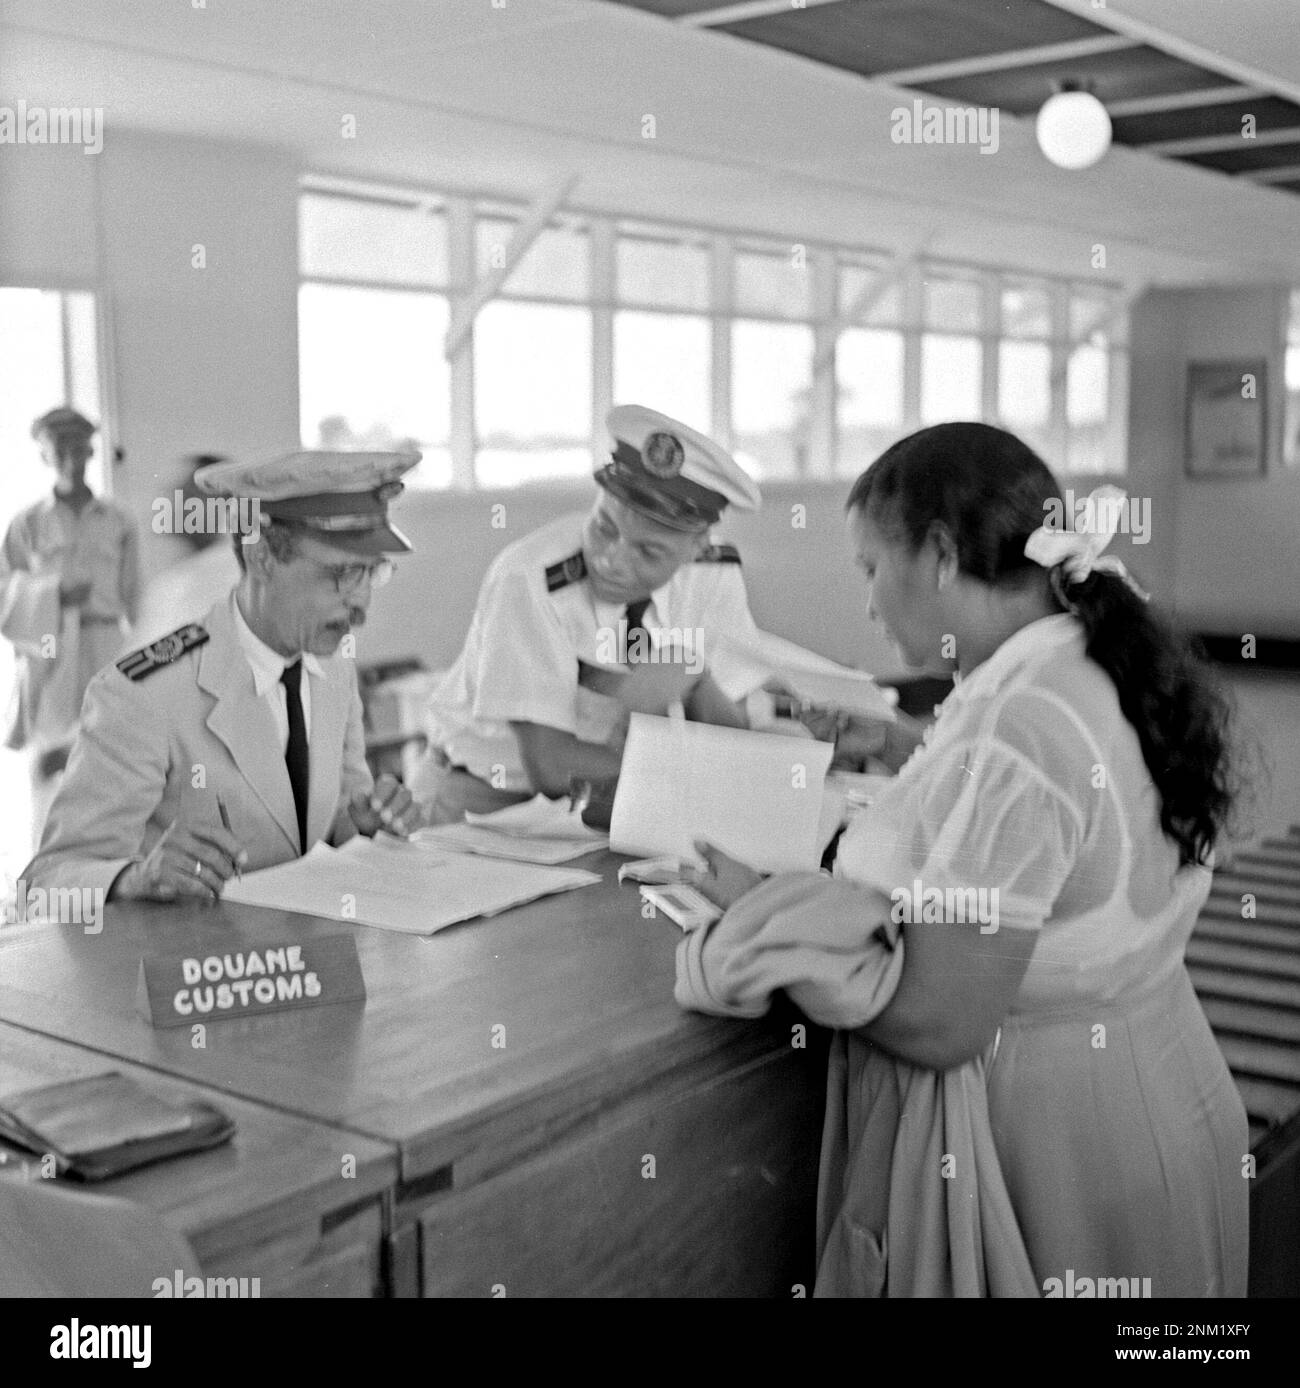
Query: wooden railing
{"type": "Point", "coordinates": [1244, 960]}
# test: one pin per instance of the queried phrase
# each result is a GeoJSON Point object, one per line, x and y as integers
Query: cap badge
{"type": "Point", "coordinates": [663, 455]}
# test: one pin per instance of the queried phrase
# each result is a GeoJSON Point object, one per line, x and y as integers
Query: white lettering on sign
{"type": "Point", "coordinates": [271, 976]}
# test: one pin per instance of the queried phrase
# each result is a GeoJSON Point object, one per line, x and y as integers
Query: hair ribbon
{"type": "Point", "coordinates": [1080, 551]}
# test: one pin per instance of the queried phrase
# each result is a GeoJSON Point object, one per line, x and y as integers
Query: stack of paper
{"type": "Point", "coordinates": [537, 831]}
{"type": "Point", "coordinates": [757, 796]}
{"type": "Point", "coordinates": [398, 885]}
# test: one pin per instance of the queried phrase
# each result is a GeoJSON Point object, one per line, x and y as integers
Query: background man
{"type": "Point", "coordinates": [69, 582]}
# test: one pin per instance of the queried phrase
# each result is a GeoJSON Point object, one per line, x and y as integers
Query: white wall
{"type": "Point", "coordinates": [196, 360]}
{"type": "Point", "coordinates": [1236, 542]}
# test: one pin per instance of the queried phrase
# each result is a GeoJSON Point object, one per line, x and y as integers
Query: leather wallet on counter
{"type": "Point", "coordinates": [102, 1125]}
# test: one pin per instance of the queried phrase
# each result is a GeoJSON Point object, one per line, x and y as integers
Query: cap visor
{"type": "Point", "coordinates": [636, 501]}
{"type": "Point", "coordinates": [383, 539]}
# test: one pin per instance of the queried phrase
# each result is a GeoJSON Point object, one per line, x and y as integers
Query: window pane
{"type": "Point", "coordinates": [1086, 312]}
{"type": "Point", "coordinates": [553, 267]}
{"type": "Point", "coordinates": [952, 305]}
{"type": "Point", "coordinates": [869, 392]}
{"type": "Point", "coordinates": [350, 238]}
{"type": "Point", "coordinates": [950, 378]}
{"type": "Point", "coordinates": [532, 393]}
{"type": "Point", "coordinates": [1024, 384]}
{"type": "Point", "coordinates": [771, 384]}
{"type": "Point", "coordinates": [1025, 392]}
{"type": "Point", "coordinates": [661, 272]}
{"type": "Point", "coordinates": [855, 280]}
{"type": "Point", "coordinates": [1086, 389]}
{"type": "Point", "coordinates": [772, 284]}
{"type": "Point", "coordinates": [1026, 312]}
{"type": "Point", "coordinates": [31, 368]}
{"type": "Point", "coordinates": [663, 360]}
{"type": "Point", "coordinates": [372, 373]}
{"type": "Point", "coordinates": [1087, 397]}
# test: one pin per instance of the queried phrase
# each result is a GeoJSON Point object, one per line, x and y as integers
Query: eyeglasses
{"type": "Point", "coordinates": [349, 577]}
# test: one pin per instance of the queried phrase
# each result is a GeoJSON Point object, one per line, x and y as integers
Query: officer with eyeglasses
{"type": "Point", "coordinates": [236, 742]}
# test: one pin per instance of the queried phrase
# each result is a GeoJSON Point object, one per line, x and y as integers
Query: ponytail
{"type": "Point", "coordinates": [1180, 714]}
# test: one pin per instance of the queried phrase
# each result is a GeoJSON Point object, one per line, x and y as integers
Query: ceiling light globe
{"type": "Point", "coordinates": [1073, 129]}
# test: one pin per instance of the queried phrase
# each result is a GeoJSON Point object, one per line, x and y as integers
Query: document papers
{"type": "Point", "coordinates": [756, 796]}
{"type": "Point", "coordinates": [536, 831]}
{"type": "Point", "coordinates": [408, 886]}
{"type": "Point", "coordinates": [809, 676]}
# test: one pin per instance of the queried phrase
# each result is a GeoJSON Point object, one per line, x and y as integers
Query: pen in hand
{"type": "Point", "coordinates": [225, 824]}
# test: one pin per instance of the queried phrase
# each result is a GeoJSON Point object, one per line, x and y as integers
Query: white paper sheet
{"type": "Point", "coordinates": [409, 887]}
{"type": "Point", "coordinates": [757, 796]}
{"type": "Point", "coordinates": [542, 818]}
{"type": "Point", "coordinates": [811, 676]}
{"type": "Point", "coordinates": [492, 843]}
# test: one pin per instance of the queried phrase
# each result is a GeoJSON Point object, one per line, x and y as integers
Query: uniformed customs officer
{"type": "Point", "coordinates": [591, 616]}
{"type": "Point", "coordinates": [250, 715]}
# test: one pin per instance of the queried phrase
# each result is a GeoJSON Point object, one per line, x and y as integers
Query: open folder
{"type": "Point", "coordinates": [410, 887]}
{"type": "Point", "coordinates": [757, 796]}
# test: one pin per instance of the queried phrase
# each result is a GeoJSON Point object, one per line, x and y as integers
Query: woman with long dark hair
{"type": "Point", "coordinates": [1071, 793]}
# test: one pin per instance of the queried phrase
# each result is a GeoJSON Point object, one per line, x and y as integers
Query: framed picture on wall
{"type": "Point", "coordinates": [1226, 421]}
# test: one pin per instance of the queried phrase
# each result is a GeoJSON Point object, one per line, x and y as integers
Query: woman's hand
{"type": "Point", "coordinates": [859, 739]}
{"type": "Point", "coordinates": [724, 880]}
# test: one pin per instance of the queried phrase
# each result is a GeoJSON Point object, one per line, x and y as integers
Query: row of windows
{"type": "Point", "coordinates": [805, 360]}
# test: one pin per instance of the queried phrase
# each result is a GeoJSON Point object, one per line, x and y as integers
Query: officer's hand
{"type": "Point", "coordinates": [856, 738]}
{"type": "Point", "coordinates": [387, 805]}
{"type": "Point", "coordinates": [723, 880]}
{"type": "Point", "coordinates": [825, 724]}
{"type": "Point", "coordinates": [187, 861]}
{"type": "Point", "coordinates": [74, 594]}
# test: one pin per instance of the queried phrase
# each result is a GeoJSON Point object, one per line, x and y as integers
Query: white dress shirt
{"type": "Point", "coordinates": [267, 668]}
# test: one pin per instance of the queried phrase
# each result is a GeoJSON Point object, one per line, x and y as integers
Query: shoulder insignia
{"type": "Point", "coordinates": [570, 570]}
{"type": "Point", "coordinates": [720, 554]}
{"type": "Point", "coordinates": [163, 651]}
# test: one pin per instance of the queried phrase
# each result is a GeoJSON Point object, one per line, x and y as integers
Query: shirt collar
{"type": "Point", "coordinates": [1038, 639]}
{"type": "Point", "coordinates": [267, 665]}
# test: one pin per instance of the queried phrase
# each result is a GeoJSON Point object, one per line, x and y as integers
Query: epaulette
{"type": "Point", "coordinates": [570, 570]}
{"type": "Point", "coordinates": [719, 554]}
{"type": "Point", "coordinates": [163, 651]}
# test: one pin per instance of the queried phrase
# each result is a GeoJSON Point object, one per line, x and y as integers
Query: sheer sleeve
{"type": "Point", "coordinates": [983, 834]}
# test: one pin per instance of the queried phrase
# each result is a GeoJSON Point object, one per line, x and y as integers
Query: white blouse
{"type": "Point", "coordinates": [1031, 785]}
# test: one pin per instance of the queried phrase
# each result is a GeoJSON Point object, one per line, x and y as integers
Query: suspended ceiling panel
{"type": "Point", "coordinates": [1013, 54]}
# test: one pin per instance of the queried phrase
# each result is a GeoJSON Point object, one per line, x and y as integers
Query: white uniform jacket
{"type": "Point", "coordinates": [167, 743]}
{"type": "Point", "coordinates": [59, 649]}
{"type": "Point", "coordinates": [536, 624]}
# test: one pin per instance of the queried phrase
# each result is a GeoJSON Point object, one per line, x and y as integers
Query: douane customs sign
{"type": "Point", "coordinates": [181, 989]}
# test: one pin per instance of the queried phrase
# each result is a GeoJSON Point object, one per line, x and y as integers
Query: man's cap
{"type": "Point", "coordinates": [670, 473]}
{"type": "Point", "coordinates": [63, 422]}
{"type": "Point", "coordinates": [341, 498]}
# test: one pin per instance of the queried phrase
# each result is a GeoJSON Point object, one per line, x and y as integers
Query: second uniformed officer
{"type": "Point", "coordinates": [591, 616]}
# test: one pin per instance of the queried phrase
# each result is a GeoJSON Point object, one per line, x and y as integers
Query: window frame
{"type": "Point", "coordinates": [825, 263]}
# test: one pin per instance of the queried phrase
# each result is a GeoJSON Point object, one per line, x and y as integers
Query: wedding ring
{"type": "Point", "coordinates": [198, 867]}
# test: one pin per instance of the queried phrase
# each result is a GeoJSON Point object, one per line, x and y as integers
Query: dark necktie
{"type": "Point", "coordinates": [295, 754]}
{"type": "Point", "coordinates": [634, 615]}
